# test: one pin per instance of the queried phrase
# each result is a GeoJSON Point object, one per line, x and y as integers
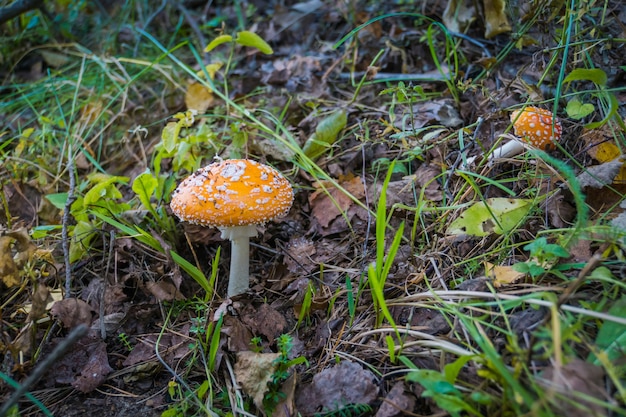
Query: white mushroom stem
{"type": "Point", "coordinates": [239, 236]}
{"type": "Point", "coordinates": [509, 149]}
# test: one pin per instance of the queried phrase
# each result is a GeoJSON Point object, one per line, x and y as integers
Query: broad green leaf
{"type": "Point", "coordinates": [169, 136]}
{"type": "Point", "coordinates": [325, 134]}
{"type": "Point", "coordinates": [247, 38]}
{"type": "Point", "coordinates": [104, 189]}
{"type": "Point", "coordinates": [82, 235]}
{"type": "Point", "coordinates": [58, 200]}
{"type": "Point", "coordinates": [611, 338]}
{"type": "Point", "coordinates": [577, 110]}
{"type": "Point", "coordinates": [144, 186]}
{"type": "Point", "coordinates": [217, 42]}
{"type": "Point", "coordinates": [596, 76]}
{"type": "Point", "coordinates": [451, 370]}
{"type": "Point", "coordinates": [496, 215]}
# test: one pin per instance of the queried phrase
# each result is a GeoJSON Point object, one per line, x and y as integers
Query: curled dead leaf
{"type": "Point", "coordinates": [72, 312]}
{"type": "Point", "coordinates": [253, 371]}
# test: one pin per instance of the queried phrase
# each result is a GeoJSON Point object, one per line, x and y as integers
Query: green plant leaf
{"type": "Point", "coordinates": [58, 200]}
{"type": "Point", "coordinates": [613, 106]}
{"type": "Point", "coordinates": [595, 75]}
{"type": "Point", "coordinates": [217, 42]}
{"type": "Point", "coordinates": [247, 38]}
{"type": "Point", "coordinates": [494, 215]}
{"type": "Point", "coordinates": [82, 235]}
{"type": "Point", "coordinates": [104, 188]}
{"type": "Point", "coordinates": [169, 136]}
{"type": "Point", "coordinates": [612, 336]}
{"type": "Point", "coordinates": [451, 370]}
{"type": "Point", "coordinates": [144, 186]}
{"type": "Point", "coordinates": [325, 134]}
{"type": "Point", "coordinates": [577, 110]}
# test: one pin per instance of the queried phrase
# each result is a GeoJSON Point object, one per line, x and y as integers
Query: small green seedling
{"type": "Point", "coordinates": [542, 256]}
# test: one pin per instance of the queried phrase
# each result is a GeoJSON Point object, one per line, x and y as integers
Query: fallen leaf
{"type": "Point", "coordinates": [238, 335]}
{"type": "Point", "coordinates": [39, 302]}
{"type": "Point", "coordinates": [494, 215]}
{"type": "Point", "coordinates": [9, 273]}
{"type": "Point", "coordinates": [263, 320]}
{"type": "Point", "coordinates": [336, 387]}
{"type": "Point", "coordinates": [397, 402]}
{"type": "Point", "coordinates": [599, 176]}
{"type": "Point", "coordinates": [328, 202]}
{"type": "Point", "coordinates": [458, 15]}
{"type": "Point", "coordinates": [198, 97]}
{"type": "Point", "coordinates": [72, 312]}
{"type": "Point", "coordinates": [298, 255]}
{"type": "Point", "coordinates": [172, 346]}
{"type": "Point", "coordinates": [325, 134]}
{"type": "Point", "coordinates": [253, 371]}
{"type": "Point", "coordinates": [502, 275]}
{"type": "Point", "coordinates": [287, 406]}
{"type": "Point", "coordinates": [94, 372]}
{"type": "Point", "coordinates": [573, 381]}
{"type": "Point", "coordinates": [85, 366]}
{"type": "Point", "coordinates": [496, 20]}
{"type": "Point", "coordinates": [164, 290]}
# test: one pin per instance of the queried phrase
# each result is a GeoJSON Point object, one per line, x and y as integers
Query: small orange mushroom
{"type": "Point", "coordinates": [536, 127]}
{"type": "Point", "coordinates": [235, 196]}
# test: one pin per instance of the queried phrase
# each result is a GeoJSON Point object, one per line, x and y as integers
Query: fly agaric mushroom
{"type": "Point", "coordinates": [535, 126]}
{"type": "Point", "coordinates": [235, 196]}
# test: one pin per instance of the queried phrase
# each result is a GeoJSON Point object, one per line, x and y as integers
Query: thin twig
{"type": "Point", "coordinates": [43, 366]}
{"type": "Point", "coordinates": [66, 219]}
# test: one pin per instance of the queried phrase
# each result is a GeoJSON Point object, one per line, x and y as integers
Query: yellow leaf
{"type": "Point", "coordinates": [211, 69]}
{"type": "Point", "coordinates": [217, 42]}
{"type": "Point", "coordinates": [496, 21]}
{"type": "Point", "coordinates": [198, 97]}
{"type": "Point", "coordinates": [502, 275]}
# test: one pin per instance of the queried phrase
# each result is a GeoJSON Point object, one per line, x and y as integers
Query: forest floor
{"type": "Point", "coordinates": [413, 275]}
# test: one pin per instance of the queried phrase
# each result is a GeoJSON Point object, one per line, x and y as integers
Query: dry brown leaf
{"type": "Point", "coordinates": [172, 346]}
{"type": "Point", "coordinates": [328, 202]}
{"type": "Point", "coordinates": [198, 97]}
{"type": "Point", "coordinates": [39, 302]}
{"type": "Point", "coordinates": [298, 255]}
{"type": "Point", "coordinates": [573, 380]}
{"type": "Point", "coordinates": [85, 366]}
{"type": "Point", "coordinates": [8, 270]}
{"type": "Point", "coordinates": [164, 290]}
{"type": "Point", "coordinates": [458, 15]}
{"type": "Point", "coordinates": [264, 320]}
{"type": "Point", "coordinates": [397, 402]}
{"type": "Point", "coordinates": [238, 335]}
{"type": "Point", "coordinates": [496, 20]}
{"type": "Point", "coordinates": [502, 275]}
{"type": "Point", "coordinates": [253, 371]}
{"type": "Point", "coordinates": [287, 406]}
{"type": "Point", "coordinates": [23, 245]}
{"type": "Point", "coordinates": [333, 388]}
{"type": "Point", "coordinates": [72, 312]}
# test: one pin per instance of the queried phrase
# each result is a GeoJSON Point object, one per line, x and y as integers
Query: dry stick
{"type": "Point", "coordinates": [43, 366]}
{"type": "Point", "coordinates": [66, 218]}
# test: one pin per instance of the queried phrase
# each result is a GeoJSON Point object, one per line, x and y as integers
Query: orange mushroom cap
{"type": "Point", "coordinates": [234, 192]}
{"type": "Point", "coordinates": [534, 125]}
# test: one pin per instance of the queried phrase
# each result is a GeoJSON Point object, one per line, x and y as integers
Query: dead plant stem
{"type": "Point", "coordinates": [71, 168]}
